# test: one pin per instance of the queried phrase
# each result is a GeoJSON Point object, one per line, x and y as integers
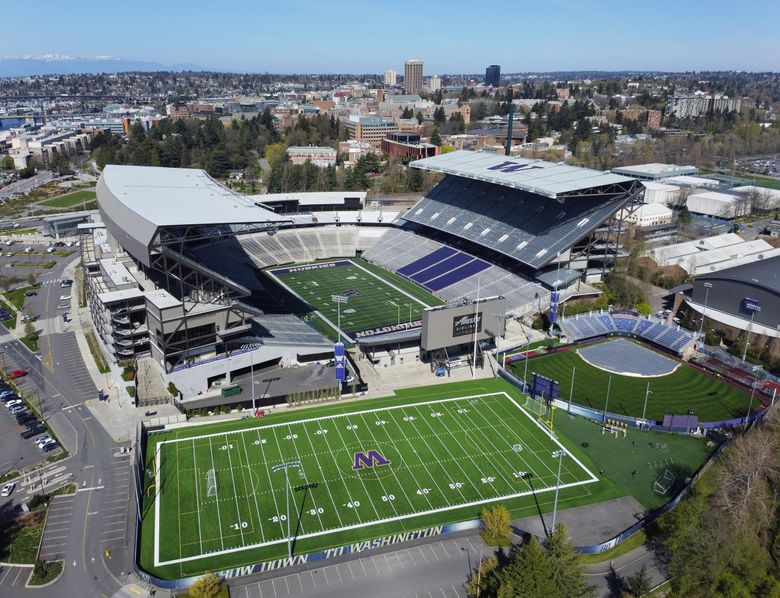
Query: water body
{"type": "Point", "coordinates": [9, 123]}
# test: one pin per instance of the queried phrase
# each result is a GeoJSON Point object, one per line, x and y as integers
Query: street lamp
{"type": "Point", "coordinates": [502, 318]}
{"type": "Point", "coordinates": [708, 286]}
{"type": "Point", "coordinates": [559, 454]}
{"type": "Point", "coordinates": [251, 348]}
{"type": "Point", "coordinates": [753, 309]}
{"type": "Point", "coordinates": [285, 467]}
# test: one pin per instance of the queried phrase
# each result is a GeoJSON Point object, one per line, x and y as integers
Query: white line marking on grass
{"type": "Point", "coordinates": [327, 487]}
{"type": "Point", "coordinates": [157, 504]}
{"type": "Point", "coordinates": [390, 284]}
{"type": "Point", "coordinates": [216, 493]}
{"type": "Point", "coordinates": [240, 521]}
{"type": "Point", "coordinates": [197, 495]}
{"type": "Point", "coordinates": [270, 482]}
{"type": "Point", "coordinates": [252, 489]}
{"type": "Point", "coordinates": [387, 519]}
{"type": "Point", "coordinates": [393, 471]}
{"type": "Point", "coordinates": [338, 469]}
{"type": "Point", "coordinates": [314, 502]}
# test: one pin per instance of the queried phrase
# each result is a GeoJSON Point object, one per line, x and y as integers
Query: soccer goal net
{"type": "Point", "coordinates": [211, 483]}
{"type": "Point", "coordinates": [538, 408]}
{"type": "Point", "coordinates": [664, 482]}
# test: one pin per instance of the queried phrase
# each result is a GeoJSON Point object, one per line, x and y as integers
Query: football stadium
{"type": "Point", "coordinates": [208, 286]}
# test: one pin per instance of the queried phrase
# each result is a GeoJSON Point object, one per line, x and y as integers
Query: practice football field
{"type": "Point", "coordinates": [374, 298]}
{"type": "Point", "coordinates": [710, 398]}
{"type": "Point", "coordinates": [218, 493]}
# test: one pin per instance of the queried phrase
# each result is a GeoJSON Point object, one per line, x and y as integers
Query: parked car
{"type": "Point", "coordinates": [16, 409]}
{"type": "Point", "coordinates": [13, 403]}
{"type": "Point", "coordinates": [63, 306]}
{"type": "Point", "coordinates": [7, 489]}
{"type": "Point", "coordinates": [17, 374]}
{"type": "Point", "coordinates": [8, 395]}
{"type": "Point", "coordinates": [43, 440]}
{"type": "Point", "coordinates": [30, 432]}
{"type": "Point", "coordinates": [50, 446]}
{"type": "Point", "coordinates": [32, 423]}
{"type": "Point", "coordinates": [66, 283]}
{"type": "Point", "coordinates": [24, 417]}
{"type": "Point", "coordinates": [30, 293]}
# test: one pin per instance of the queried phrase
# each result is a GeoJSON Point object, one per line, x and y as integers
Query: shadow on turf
{"type": "Point", "coordinates": [305, 489]}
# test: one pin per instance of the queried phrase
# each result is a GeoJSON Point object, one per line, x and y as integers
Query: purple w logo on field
{"type": "Point", "coordinates": [370, 459]}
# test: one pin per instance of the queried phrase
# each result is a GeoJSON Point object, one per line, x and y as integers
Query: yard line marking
{"type": "Point", "coordinates": [362, 481]}
{"type": "Point", "coordinates": [467, 478]}
{"type": "Point", "coordinates": [254, 494]}
{"type": "Point", "coordinates": [393, 471]}
{"type": "Point", "coordinates": [235, 491]}
{"type": "Point", "coordinates": [298, 454]}
{"type": "Point", "coordinates": [341, 477]}
{"type": "Point", "coordinates": [327, 486]}
{"type": "Point", "coordinates": [425, 466]}
{"type": "Point", "coordinates": [271, 483]}
{"type": "Point", "coordinates": [292, 494]}
{"type": "Point", "coordinates": [216, 493]}
{"type": "Point", "coordinates": [472, 437]}
{"type": "Point", "coordinates": [197, 493]}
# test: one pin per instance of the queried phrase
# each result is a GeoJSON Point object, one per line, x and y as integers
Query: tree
{"type": "Point", "coordinates": [496, 523]}
{"type": "Point", "coordinates": [217, 164]}
{"type": "Point", "coordinates": [414, 179]}
{"type": "Point", "coordinates": [275, 153]}
{"type": "Point", "coordinates": [435, 137]}
{"type": "Point", "coordinates": [528, 574]}
{"type": "Point", "coordinates": [639, 583]}
{"type": "Point", "coordinates": [565, 570]}
{"type": "Point", "coordinates": [206, 586]}
{"type": "Point", "coordinates": [481, 576]}
{"type": "Point", "coordinates": [7, 163]}
{"type": "Point", "coordinates": [420, 118]}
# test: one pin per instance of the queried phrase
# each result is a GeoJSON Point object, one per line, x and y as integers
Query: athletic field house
{"type": "Point", "coordinates": [207, 288]}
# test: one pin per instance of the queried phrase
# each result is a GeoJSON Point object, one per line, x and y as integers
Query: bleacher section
{"type": "Point", "coordinates": [521, 225]}
{"type": "Point", "coordinates": [285, 329]}
{"type": "Point", "coordinates": [453, 274]}
{"type": "Point", "coordinates": [593, 325]}
{"type": "Point", "coordinates": [300, 245]}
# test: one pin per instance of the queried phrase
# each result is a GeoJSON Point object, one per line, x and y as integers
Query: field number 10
{"type": "Point", "coordinates": [238, 526]}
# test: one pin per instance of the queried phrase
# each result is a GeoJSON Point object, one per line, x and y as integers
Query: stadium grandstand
{"type": "Point", "coordinates": [197, 252]}
{"type": "Point", "coordinates": [590, 326]}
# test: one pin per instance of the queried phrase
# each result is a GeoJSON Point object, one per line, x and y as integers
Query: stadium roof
{"type": "Point", "coordinates": [135, 201]}
{"type": "Point", "coordinates": [548, 179]}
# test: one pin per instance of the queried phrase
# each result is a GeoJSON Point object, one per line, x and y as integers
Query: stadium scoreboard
{"type": "Point", "coordinates": [451, 325]}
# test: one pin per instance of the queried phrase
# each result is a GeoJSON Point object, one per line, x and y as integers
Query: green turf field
{"type": "Point", "coordinates": [70, 200]}
{"type": "Point", "coordinates": [375, 298]}
{"type": "Point", "coordinates": [450, 454]}
{"type": "Point", "coordinates": [686, 388]}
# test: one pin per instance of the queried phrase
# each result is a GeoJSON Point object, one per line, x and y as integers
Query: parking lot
{"type": "Point", "coordinates": [12, 579]}
{"type": "Point", "coordinates": [16, 453]}
{"type": "Point", "coordinates": [426, 570]}
{"type": "Point", "coordinates": [58, 522]}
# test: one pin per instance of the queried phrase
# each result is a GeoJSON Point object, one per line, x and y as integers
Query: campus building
{"type": "Point", "coordinates": [413, 76]}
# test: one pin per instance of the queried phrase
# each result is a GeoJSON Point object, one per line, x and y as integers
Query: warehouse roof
{"type": "Point", "coordinates": [655, 170]}
{"type": "Point", "coordinates": [763, 273]}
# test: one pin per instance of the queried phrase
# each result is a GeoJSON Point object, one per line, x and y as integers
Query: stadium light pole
{"type": "Point", "coordinates": [560, 454]}
{"type": "Point", "coordinates": [571, 391]}
{"type": "Point", "coordinates": [287, 466]}
{"type": "Point", "coordinates": [476, 316]}
{"type": "Point", "coordinates": [648, 392]}
{"type": "Point", "coordinates": [251, 348]}
{"type": "Point", "coordinates": [753, 311]}
{"type": "Point", "coordinates": [756, 369]}
{"type": "Point", "coordinates": [708, 286]}
{"type": "Point", "coordinates": [338, 300]}
{"type": "Point", "coordinates": [606, 404]}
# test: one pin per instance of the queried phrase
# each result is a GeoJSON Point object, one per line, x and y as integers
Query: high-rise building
{"type": "Point", "coordinates": [390, 75]}
{"type": "Point", "coordinates": [493, 75]}
{"type": "Point", "coordinates": [413, 76]}
{"type": "Point", "coordinates": [434, 84]}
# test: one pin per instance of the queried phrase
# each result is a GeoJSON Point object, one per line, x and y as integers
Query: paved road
{"type": "Point", "coordinates": [25, 185]}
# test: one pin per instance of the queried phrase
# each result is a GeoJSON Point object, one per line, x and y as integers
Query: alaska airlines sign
{"type": "Point", "coordinates": [508, 166]}
{"type": "Point", "coordinates": [467, 324]}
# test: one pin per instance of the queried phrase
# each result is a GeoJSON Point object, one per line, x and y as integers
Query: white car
{"type": "Point", "coordinates": [63, 306]}
{"type": "Point", "coordinates": [46, 442]}
{"type": "Point", "coordinates": [13, 403]}
{"type": "Point", "coordinates": [64, 297]}
{"type": "Point", "coordinates": [7, 489]}
{"type": "Point", "coordinates": [41, 440]}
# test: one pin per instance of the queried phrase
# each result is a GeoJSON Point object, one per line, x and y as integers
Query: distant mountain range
{"type": "Point", "coordinates": [57, 64]}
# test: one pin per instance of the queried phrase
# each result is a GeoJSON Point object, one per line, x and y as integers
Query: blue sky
{"type": "Point", "coordinates": [456, 36]}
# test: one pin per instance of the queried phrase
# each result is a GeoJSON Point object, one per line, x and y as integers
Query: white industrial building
{"type": "Point", "coordinates": [720, 205]}
{"type": "Point", "coordinates": [652, 214]}
{"type": "Point", "coordinates": [661, 193]}
{"type": "Point", "coordinates": [713, 253]}
{"type": "Point", "coordinates": [765, 199]}
{"type": "Point", "coordinates": [655, 171]}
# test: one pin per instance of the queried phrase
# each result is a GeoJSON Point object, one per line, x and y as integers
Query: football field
{"type": "Point", "coordinates": [223, 493]}
{"type": "Point", "coordinates": [375, 300]}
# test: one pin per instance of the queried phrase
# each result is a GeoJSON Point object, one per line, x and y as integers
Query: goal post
{"type": "Point", "coordinates": [538, 408]}
{"type": "Point", "coordinates": [211, 483]}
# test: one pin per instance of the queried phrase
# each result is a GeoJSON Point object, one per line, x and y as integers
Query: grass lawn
{"type": "Point", "coordinates": [19, 540]}
{"type": "Point", "coordinates": [70, 199]}
{"type": "Point", "coordinates": [376, 298]}
{"type": "Point", "coordinates": [686, 388]}
{"type": "Point", "coordinates": [451, 450]}
{"type": "Point", "coordinates": [45, 571]}
{"type": "Point", "coordinates": [97, 354]}
{"type": "Point", "coordinates": [31, 342]}
{"type": "Point", "coordinates": [10, 323]}
{"type": "Point", "coordinates": [16, 296]}
{"type": "Point", "coordinates": [636, 461]}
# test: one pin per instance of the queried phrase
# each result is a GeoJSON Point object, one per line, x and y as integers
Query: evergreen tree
{"type": "Point", "coordinates": [436, 138]}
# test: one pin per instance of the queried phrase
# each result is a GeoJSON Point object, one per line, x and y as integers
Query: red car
{"type": "Point", "coordinates": [17, 374]}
